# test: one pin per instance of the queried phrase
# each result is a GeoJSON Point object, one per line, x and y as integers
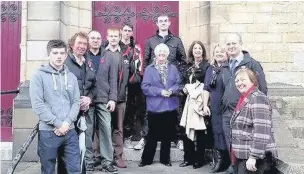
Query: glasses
{"type": "Point", "coordinates": [95, 38]}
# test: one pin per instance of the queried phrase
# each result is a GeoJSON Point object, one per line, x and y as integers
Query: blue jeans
{"type": "Point", "coordinates": [49, 146]}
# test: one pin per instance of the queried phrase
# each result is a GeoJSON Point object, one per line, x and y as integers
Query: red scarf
{"type": "Point", "coordinates": [237, 108]}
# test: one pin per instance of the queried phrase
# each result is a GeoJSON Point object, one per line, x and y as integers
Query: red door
{"type": "Point", "coordinates": [10, 62]}
{"type": "Point", "coordinates": [141, 14]}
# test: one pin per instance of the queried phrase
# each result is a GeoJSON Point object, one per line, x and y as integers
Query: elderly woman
{"type": "Point", "coordinates": [252, 133]}
{"type": "Point", "coordinates": [193, 118]}
{"type": "Point", "coordinates": [161, 85]}
{"type": "Point", "coordinates": [213, 91]}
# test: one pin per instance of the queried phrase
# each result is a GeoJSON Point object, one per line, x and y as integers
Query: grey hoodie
{"type": "Point", "coordinates": [55, 97]}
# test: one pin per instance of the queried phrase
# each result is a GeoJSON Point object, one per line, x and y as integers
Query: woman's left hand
{"type": "Point", "coordinates": [250, 164]}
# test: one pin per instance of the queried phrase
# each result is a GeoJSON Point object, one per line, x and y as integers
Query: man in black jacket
{"type": "Point", "coordinates": [177, 55]}
{"type": "Point", "coordinates": [237, 59]}
{"type": "Point", "coordinates": [80, 65]}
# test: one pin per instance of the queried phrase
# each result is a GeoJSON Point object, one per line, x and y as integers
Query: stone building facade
{"type": "Point", "coordinates": [273, 32]}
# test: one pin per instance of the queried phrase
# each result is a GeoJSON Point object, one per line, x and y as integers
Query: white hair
{"type": "Point", "coordinates": [162, 48]}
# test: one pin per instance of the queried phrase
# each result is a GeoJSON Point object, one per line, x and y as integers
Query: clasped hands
{"type": "Point", "coordinates": [166, 93]}
{"type": "Point", "coordinates": [63, 129]}
{"type": "Point", "coordinates": [85, 103]}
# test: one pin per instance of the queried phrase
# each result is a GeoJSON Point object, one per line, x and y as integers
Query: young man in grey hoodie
{"type": "Point", "coordinates": [55, 99]}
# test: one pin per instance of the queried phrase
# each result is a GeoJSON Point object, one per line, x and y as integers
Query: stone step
{"type": "Point", "coordinates": [135, 155]}
{"type": "Point", "coordinates": [290, 160]}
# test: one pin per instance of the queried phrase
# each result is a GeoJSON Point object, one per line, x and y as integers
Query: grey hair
{"type": "Point", "coordinates": [161, 48]}
{"type": "Point", "coordinates": [237, 35]}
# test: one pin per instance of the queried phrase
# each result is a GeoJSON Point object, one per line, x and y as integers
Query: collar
{"type": "Point", "coordinates": [169, 34]}
{"type": "Point", "coordinates": [117, 48]}
{"type": "Point", "coordinates": [60, 71]}
{"type": "Point", "coordinates": [238, 58]}
{"type": "Point", "coordinates": [82, 58]}
{"type": "Point", "coordinates": [92, 54]}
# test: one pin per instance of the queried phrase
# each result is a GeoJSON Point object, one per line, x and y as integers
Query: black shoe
{"type": "Point", "coordinates": [198, 165]}
{"type": "Point", "coordinates": [97, 162]}
{"type": "Point", "coordinates": [90, 167]}
{"type": "Point", "coordinates": [109, 168]}
{"type": "Point", "coordinates": [217, 161]}
{"type": "Point", "coordinates": [142, 164]}
{"type": "Point", "coordinates": [185, 163]}
{"type": "Point", "coordinates": [168, 164]}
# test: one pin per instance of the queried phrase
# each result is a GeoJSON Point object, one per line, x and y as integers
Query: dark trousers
{"type": "Point", "coordinates": [261, 165]}
{"type": "Point", "coordinates": [227, 130]}
{"type": "Point", "coordinates": [89, 135]}
{"type": "Point", "coordinates": [161, 128]}
{"type": "Point", "coordinates": [117, 123]}
{"type": "Point", "coordinates": [192, 154]}
{"type": "Point", "coordinates": [65, 148]}
{"type": "Point", "coordinates": [135, 112]}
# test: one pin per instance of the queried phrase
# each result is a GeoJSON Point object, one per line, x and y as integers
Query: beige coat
{"type": "Point", "coordinates": [193, 116]}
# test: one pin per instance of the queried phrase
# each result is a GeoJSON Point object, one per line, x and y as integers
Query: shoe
{"type": "Point", "coordinates": [140, 145]}
{"type": "Point", "coordinates": [128, 143]}
{"type": "Point", "coordinates": [110, 168]}
{"type": "Point", "coordinates": [97, 162]}
{"type": "Point", "coordinates": [90, 167]}
{"type": "Point", "coordinates": [198, 165]}
{"type": "Point", "coordinates": [168, 164]}
{"type": "Point", "coordinates": [142, 164]}
{"type": "Point", "coordinates": [185, 163]}
{"type": "Point", "coordinates": [180, 145]}
{"type": "Point", "coordinates": [120, 163]}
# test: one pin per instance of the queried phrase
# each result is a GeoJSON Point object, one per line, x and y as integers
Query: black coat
{"type": "Point", "coordinates": [85, 75]}
{"type": "Point", "coordinates": [231, 94]}
{"type": "Point", "coordinates": [177, 54]}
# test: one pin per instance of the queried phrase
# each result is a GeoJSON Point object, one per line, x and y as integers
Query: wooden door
{"type": "Point", "coordinates": [142, 14]}
{"type": "Point", "coordinates": [10, 62]}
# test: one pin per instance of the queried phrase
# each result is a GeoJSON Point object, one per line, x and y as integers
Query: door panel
{"type": "Point", "coordinates": [141, 14]}
{"type": "Point", "coordinates": [10, 62]}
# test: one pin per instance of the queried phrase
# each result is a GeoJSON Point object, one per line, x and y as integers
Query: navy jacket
{"type": "Point", "coordinates": [231, 94]}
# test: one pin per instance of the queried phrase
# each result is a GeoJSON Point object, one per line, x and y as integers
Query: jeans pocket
{"type": "Point", "coordinates": [46, 134]}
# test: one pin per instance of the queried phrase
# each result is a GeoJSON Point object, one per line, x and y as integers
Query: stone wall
{"type": "Point", "coordinates": [43, 21]}
{"type": "Point", "coordinates": [273, 32]}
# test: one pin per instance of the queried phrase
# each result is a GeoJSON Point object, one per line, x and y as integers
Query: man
{"type": "Point", "coordinates": [177, 56]}
{"type": "Point", "coordinates": [114, 51]}
{"type": "Point", "coordinates": [134, 114]}
{"type": "Point", "coordinates": [237, 59]}
{"type": "Point", "coordinates": [106, 98]}
{"type": "Point", "coordinates": [80, 65]}
{"type": "Point", "coordinates": [92, 132]}
{"type": "Point", "coordinates": [55, 99]}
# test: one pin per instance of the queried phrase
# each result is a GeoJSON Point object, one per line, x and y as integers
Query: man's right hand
{"type": "Point", "coordinates": [111, 105]}
{"type": "Point", "coordinates": [65, 127]}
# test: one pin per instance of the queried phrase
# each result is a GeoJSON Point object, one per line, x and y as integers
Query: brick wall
{"type": "Point", "coordinates": [273, 32]}
{"type": "Point", "coordinates": [42, 21]}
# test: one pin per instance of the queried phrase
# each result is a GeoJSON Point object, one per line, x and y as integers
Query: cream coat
{"type": "Point", "coordinates": [193, 116]}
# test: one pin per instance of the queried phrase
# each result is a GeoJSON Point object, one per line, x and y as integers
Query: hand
{"type": "Point", "coordinates": [185, 90]}
{"type": "Point", "coordinates": [56, 131]}
{"type": "Point", "coordinates": [111, 106]}
{"type": "Point", "coordinates": [85, 102]}
{"type": "Point", "coordinates": [84, 108]}
{"type": "Point", "coordinates": [166, 93]}
{"type": "Point", "coordinates": [65, 127]}
{"type": "Point", "coordinates": [250, 164]}
{"type": "Point", "coordinates": [206, 110]}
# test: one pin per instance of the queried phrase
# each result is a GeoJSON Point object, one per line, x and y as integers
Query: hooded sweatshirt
{"type": "Point", "coordinates": [55, 97]}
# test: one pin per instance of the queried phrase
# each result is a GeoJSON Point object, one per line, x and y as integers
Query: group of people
{"type": "Point", "coordinates": [218, 103]}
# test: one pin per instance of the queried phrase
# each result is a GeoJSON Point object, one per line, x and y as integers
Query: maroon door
{"type": "Point", "coordinates": [141, 14]}
{"type": "Point", "coordinates": [10, 62]}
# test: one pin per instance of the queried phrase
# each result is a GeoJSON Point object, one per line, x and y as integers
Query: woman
{"type": "Point", "coordinates": [213, 89]}
{"type": "Point", "coordinates": [251, 123]}
{"type": "Point", "coordinates": [161, 85]}
{"type": "Point", "coordinates": [196, 74]}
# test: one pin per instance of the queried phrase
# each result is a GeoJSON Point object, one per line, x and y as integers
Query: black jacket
{"type": "Point", "coordinates": [231, 94]}
{"type": "Point", "coordinates": [177, 54]}
{"type": "Point", "coordinates": [198, 72]}
{"type": "Point", "coordinates": [85, 75]}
